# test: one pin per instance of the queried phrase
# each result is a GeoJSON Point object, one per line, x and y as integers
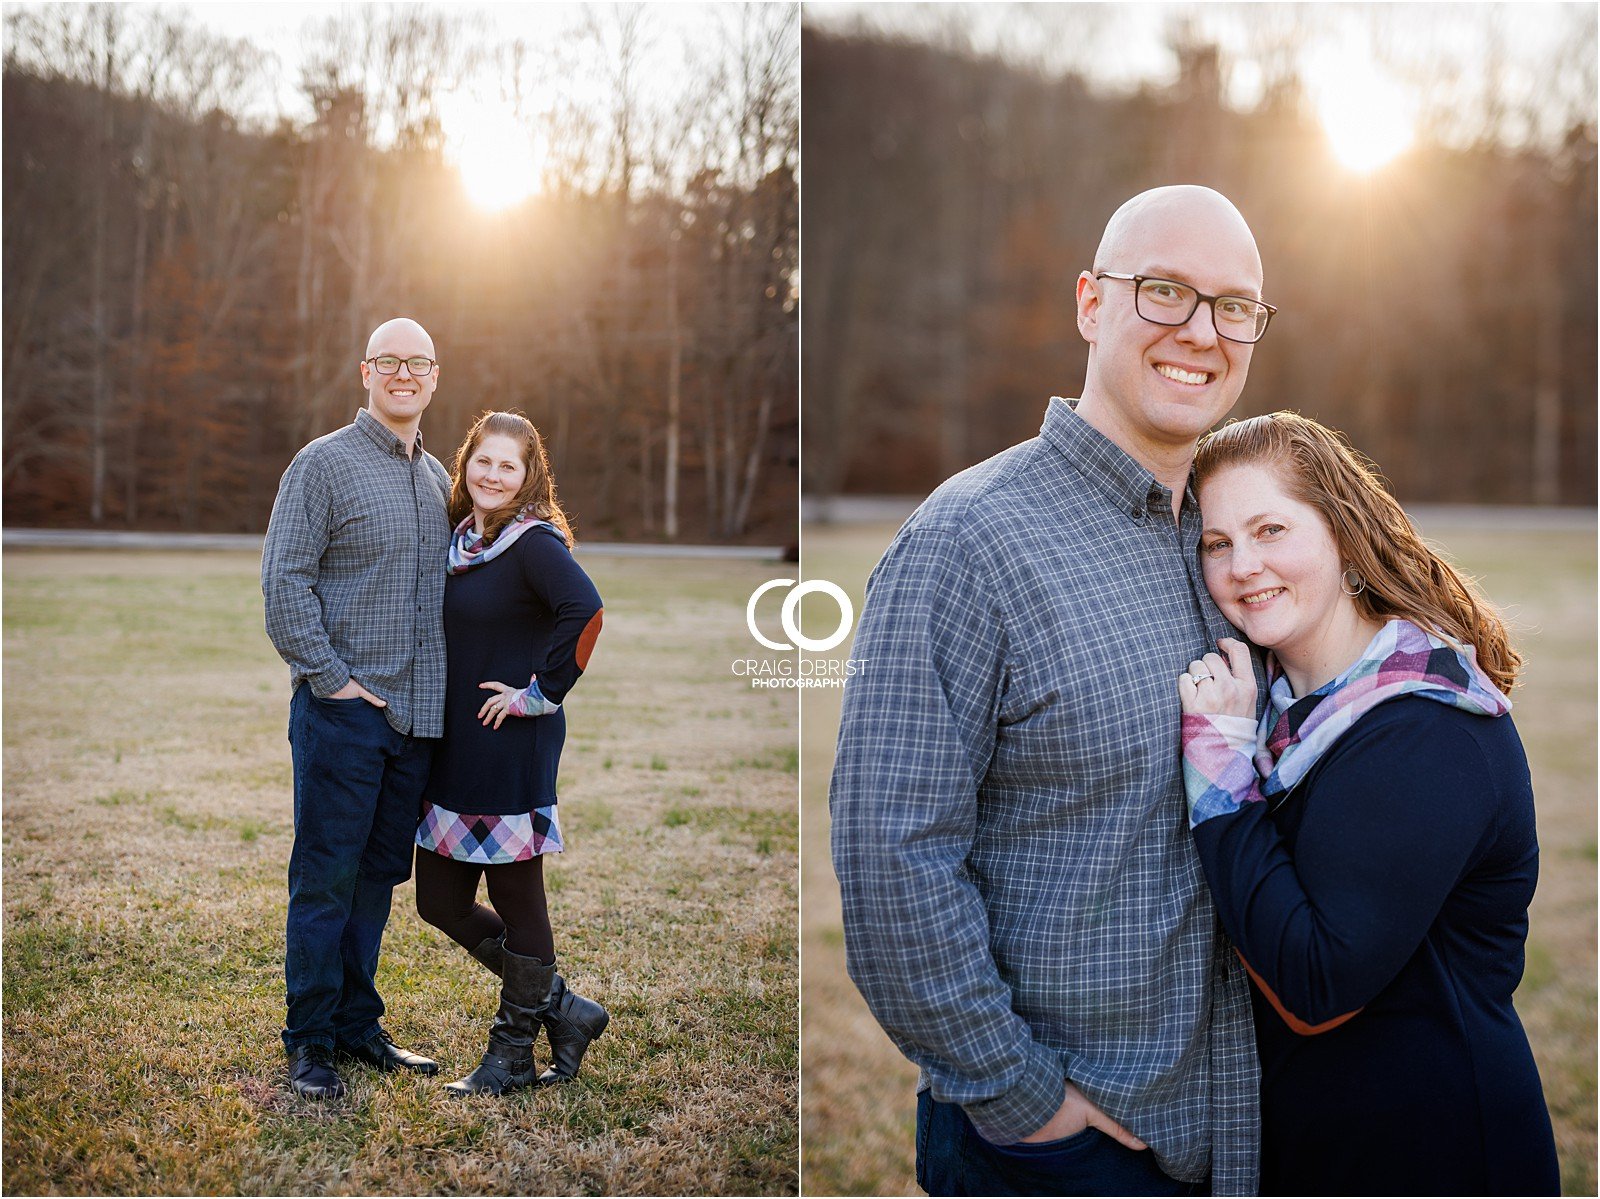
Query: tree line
{"type": "Point", "coordinates": [188, 289]}
{"type": "Point", "coordinates": [1441, 311]}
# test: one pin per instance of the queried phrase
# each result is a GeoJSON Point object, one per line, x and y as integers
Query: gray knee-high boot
{"type": "Point", "coordinates": [524, 996]}
{"type": "Point", "coordinates": [571, 1022]}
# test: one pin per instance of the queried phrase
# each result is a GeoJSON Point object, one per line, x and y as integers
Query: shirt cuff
{"type": "Point", "coordinates": [530, 701]}
{"type": "Point", "coordinates": [325, 682]}
{"type": "Point", "coordinates": [1238, 731]}
{"type": "Point", "coordinates": [1218, 771]}
{"type": "Point", "coordinates": [1028, 1105]}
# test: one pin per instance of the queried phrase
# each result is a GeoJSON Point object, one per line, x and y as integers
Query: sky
{"type": "Point", "coordinates": [1440, 54]}
{"type": "Point", "coordinates": [1433, 59]}
{"type": "Point", "coordinates": [491, 113]}
{"type": "Point", "coordinates": [282, 30]}
{"type": "Point", "coordinates": [675, 45]}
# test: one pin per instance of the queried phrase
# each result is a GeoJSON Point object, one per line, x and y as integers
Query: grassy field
{"type": "Point", "coordinates": [858, 1106]}
{"type": "Point", "coordinates": [146, 835]}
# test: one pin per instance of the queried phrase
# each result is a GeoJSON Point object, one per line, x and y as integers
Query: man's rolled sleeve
{"type": "Point", "coordinates": [291, 563]}
{"type": "Point", "coordinates": [916, 737]}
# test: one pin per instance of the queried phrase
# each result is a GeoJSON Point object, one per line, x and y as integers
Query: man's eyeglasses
{"type": "Point", "coordinates": [388, 364]}
{"type": "Point", "coordinates": [1165, 302]}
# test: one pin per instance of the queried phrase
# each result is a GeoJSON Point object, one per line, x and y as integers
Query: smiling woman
{"type": "Point", "coordinates": [1370, 838]}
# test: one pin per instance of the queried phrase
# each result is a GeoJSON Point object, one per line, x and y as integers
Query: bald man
{"type": "Point", "coordinates": [1024, 912]}
{"type": "Point", "coordinates": [353, 575]}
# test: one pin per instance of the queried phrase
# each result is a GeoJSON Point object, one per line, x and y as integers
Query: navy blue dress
{"type": "Point", "coordinates": [530, 611]}
{"type": "Point", "coordinates": [1381, 908]}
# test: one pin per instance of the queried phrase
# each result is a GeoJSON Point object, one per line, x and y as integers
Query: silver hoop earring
{"type": "Point", "coordinates": [1352, 589]}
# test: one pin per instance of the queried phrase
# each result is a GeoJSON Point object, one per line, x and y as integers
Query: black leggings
{"type": "Point", "coordinates": [447, 898]}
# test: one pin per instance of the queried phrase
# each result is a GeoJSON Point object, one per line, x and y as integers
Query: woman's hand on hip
{"type": "Point", "coordinates": [1219, 685]}
{"type": "Point", "coordinates": [498, 706]}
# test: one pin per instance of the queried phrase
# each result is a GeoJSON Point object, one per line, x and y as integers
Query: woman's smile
{"type": "Point", "coordinates": [495, 472]}
{"type": "Point", "coordinates": [1271, 564]}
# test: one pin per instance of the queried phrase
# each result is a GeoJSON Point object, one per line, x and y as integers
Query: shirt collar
{"type": "Point", "coordinates": [1105, 465]}
{"type": "Point", "coordinates": [382, 436]}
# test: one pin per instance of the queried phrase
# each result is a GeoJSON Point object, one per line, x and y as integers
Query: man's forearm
{"type": "Point", "coordinates": [291, 564]}
{"type": "Point", "coordinates": [916, 940]}
{"type": "Point", "coordinates": [295, 627]}
{"type": "Point", "coordinates": [917, 736]}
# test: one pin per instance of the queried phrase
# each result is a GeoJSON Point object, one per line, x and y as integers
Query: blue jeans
{"type": "Point", "coordinates": [952, 1159]}
{"type": "Point", "coordinates": [357, 795]}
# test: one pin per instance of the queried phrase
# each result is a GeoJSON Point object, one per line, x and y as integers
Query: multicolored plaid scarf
{"type": "Point", "coordinates": [1401, 660]}
{"type": "Point", "coordinates": [467, 549]}
{"type": "Point", "coordinates": [1294, 733]}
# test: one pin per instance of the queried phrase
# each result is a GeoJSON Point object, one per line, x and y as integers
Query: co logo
{"type": "Point", "coordinates": [791, 605]}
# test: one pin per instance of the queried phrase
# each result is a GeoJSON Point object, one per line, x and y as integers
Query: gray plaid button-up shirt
{"type": "Point", "coordinates": [1022, 902]}
{"type": "Point", "coordinates": [353, 571]}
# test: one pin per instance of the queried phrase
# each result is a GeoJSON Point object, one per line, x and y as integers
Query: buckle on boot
{"type": "Point", "coordinates": [511, 1065]}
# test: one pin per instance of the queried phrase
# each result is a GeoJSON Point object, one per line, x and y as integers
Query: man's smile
{"type": "Point", "coordinates": [1189, 377]}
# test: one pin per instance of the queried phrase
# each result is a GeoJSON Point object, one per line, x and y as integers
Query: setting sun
{"type": "Point", "coordinates": [494, 153]}
{"type": "Point", "coordinates": [1367, 118]}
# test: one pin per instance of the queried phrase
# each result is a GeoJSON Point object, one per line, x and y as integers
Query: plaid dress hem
{"type": "Point", "coordinates": [490, 840]}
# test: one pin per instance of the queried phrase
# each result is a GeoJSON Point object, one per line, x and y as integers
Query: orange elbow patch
{"type": "Point", "coordinates": [1294, 1022]}
{"type": "Point", "coordinates": [591, 633]}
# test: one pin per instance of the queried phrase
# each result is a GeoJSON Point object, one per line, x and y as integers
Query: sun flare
{"type": "Point", "coordinates": [495, 154]}
{"type": "Point", "coordinates": [1368, 119]}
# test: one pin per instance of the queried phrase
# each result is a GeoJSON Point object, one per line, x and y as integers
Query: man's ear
{"type": "Point", "coordinates": [366, 374]}
{"type": "Point", "coordinates": [1088, 307]}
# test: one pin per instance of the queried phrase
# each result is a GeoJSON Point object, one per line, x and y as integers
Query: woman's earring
{"type": "Point", "coordinates": [1351, 582]}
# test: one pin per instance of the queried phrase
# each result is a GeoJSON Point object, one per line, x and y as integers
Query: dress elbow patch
{"type": "Point", "coordinates": [1296, 1025]}
{"type": "Point", "coordinates": [586, 640]}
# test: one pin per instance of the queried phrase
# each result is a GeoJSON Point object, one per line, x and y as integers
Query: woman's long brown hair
{"type": "Point", "coordinates": [1404, 575]}
{"type": "Point", "coordinates": [538, 489]}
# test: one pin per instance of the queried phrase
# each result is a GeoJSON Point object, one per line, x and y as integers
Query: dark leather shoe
{"type": "Point", "coordinates": [381, 1053]}
{"type": "Point", "coordinates": [312, 1075]}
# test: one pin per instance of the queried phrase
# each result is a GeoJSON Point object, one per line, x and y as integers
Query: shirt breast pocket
{"type": "Point", "coordinates": [1087, 713]}
{"type": "Point", "coordinates": [361, 533]}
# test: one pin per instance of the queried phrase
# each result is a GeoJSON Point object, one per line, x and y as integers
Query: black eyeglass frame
{"type": "Point", "coordinates": [433, 364]}
{"type": "Point", "coordinates": [1138, 282]}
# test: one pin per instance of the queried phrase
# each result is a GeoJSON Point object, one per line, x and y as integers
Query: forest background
{"type": "Point", "coordinates": [188, 284]}
{"type": "Point", "coordinates": [1440, 308]}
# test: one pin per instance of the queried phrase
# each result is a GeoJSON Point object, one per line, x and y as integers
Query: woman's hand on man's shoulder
{"type": "Point", "coordinates": [1220, 684]}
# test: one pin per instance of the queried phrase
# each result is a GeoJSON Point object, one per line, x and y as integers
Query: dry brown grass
{"type": "Point", "coordinates": [147, 829]}
{"type": "Point", "coordinates": [858, 1107]}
